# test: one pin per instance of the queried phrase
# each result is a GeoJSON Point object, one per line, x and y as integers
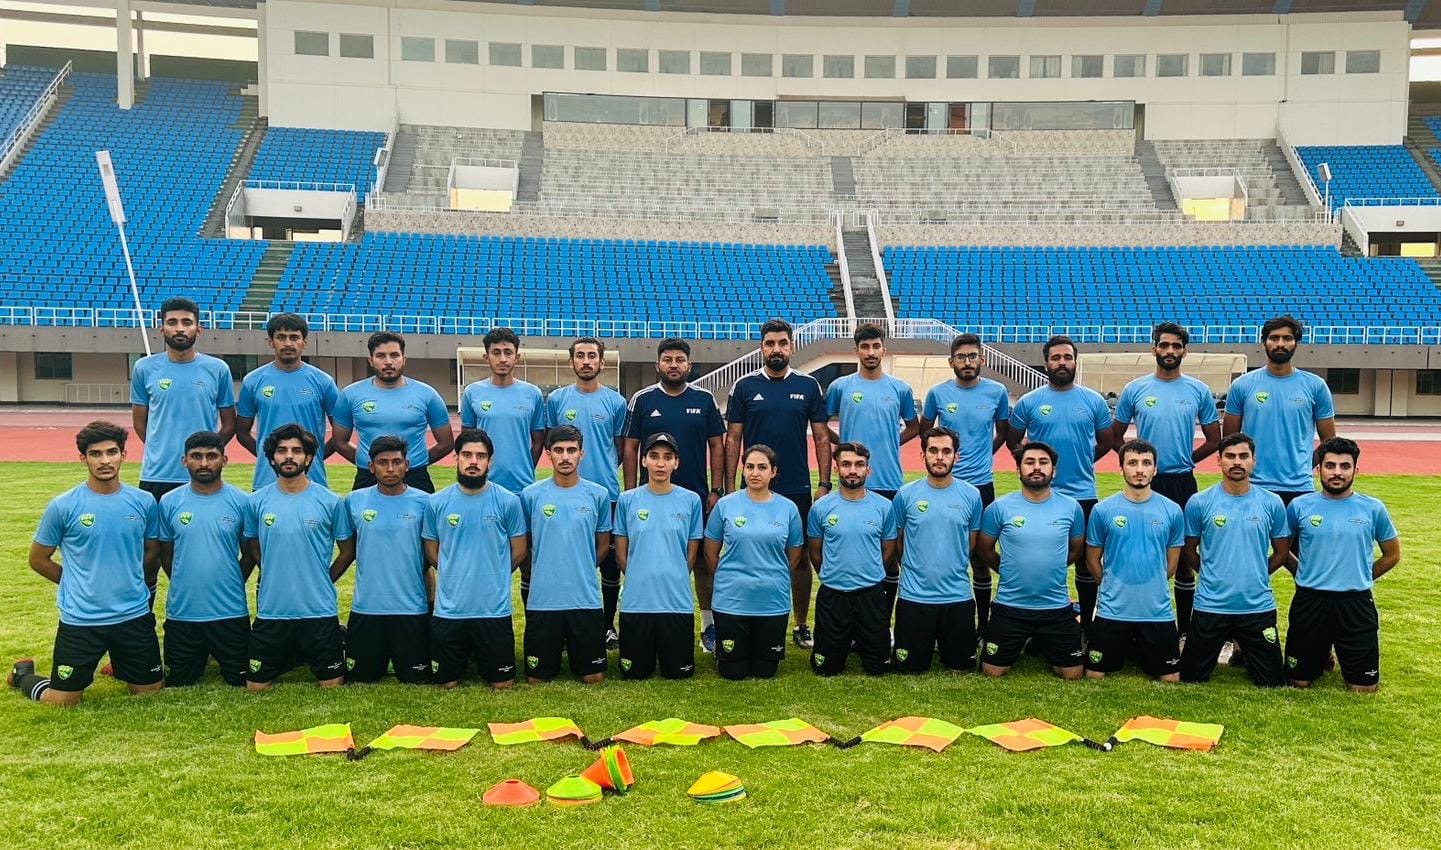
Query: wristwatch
{"type": "Point", "coordinates": [825, 484]}
{"type": "Point", "coordinates": [717, 491]}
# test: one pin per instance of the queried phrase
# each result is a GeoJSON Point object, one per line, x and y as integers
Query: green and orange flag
{"type": "Point", "coordinates": [777, 733]}
{"type": "Point", "coordinates": [672, 730]}
{"type": "Point", "coordinates": [1177, 734]}
{"type": "Point", "coordinates": [423, 738]}
{"type": "Point", "coordinates": [537, 729]}
{"type": "Point", "coordinates": [330, 738]}
{"type": "Point", "coordinates": [1021, 735]}
{"type": "Point", "coordinates": [925, 732]}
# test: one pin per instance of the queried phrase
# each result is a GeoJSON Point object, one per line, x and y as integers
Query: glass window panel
{"type": "Point", "coordinates": [312, 43]}
{"type": "Point", "coordinates": [1173, 65]}
{"type": "Point", "coordinates": [1215, 64]}
{"type": "Point", "coordinates": [880, 67]}
{"type": "Point", "coordinates": [838, 67]}
{"type": "Point", "coordinates": [1363, 61]}
{"type": "Point", "coordinates": [1258, 64]}
{"type": "Point", "coordinates": [632, 60]}
{"type": "Point", "coordinates": [839, 115]}
{"type": "Point", "coordinates": [962, 67]}
{"type": "Point", "coordinates": [547, 56]}
{"type": "Point", "coordinates": [414, 49]}
{"type": "Point", "coordinates": [1004, 67]}
{"type": "Point", "coordinates": [505, 53]}
{"type": "Point", "coordinates": [800, 65]}
{"type": "Point", "coordinates": [1088, 67]}
{"type": "Point", "coordinates": [715, 64]}
{"type": "Point", "coordinates": [675, 61]}
{"type": "Point", "coordinates": [920, 67]}
{"type": "Point", "coordinates": [462, 52]}
{"type": "Point", "coordinates": [590, 59]}
{"type": "Point", "coordinates": [1128, 65]}
{"type": "Point", "coordinates": [357, 46]}
{"type": "Point", "coordinates": [757, 65]}
{"type": "Point", "coordinates": [1318, 62]}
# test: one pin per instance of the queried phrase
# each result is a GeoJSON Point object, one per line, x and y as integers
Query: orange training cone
{"type": "Point", "coordinates": [611, 770]}
{"type": "Point", "coordinates": [511, 792]}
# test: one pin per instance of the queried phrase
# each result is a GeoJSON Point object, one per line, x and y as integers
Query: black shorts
{"type": "Point", "coordinates": [803, 504]}
{"type": "Point", "coordinates": [190, 645]}
{"type": "Point", "coordinates": [921, 627]}
{"type": "Point", "coordinates": [1083, 575]}
{"type": "Point", "coordinates": [578, 632]}
{"type": "Point", "coordinates": [488, 640]}
{"type": "Point", "coordinates": [1254, 634]}
{"type": "Point", "coordinates": [417, 477]}
{"type": "Point", "coordinates": [749, 647]}
{"type": "Point", "coordinates": [1179, 487]}
{"type": "Point", "coordinates": [1288, 496]}
{"type": "Point", "coordinates": [650, 639]}
{"type": "Point", "coordinates": [846, 618]}
{"type": "Point", "coordinates": [316, 640]}
{"type": "Point", "coordinates": [988, 493]}
{"type": "Point", "coordinates": [888, 495]}
{"type": "Point", "coordinates": [374, 642]}
{"type": "Point", "coordinates": [1347, 620]}
{"type": "Point", "coordinates": [1156, 647]}
{"type": "Point", "coordinates": [1053, 632]}
{"type": "Point", "coordinates": [160, 488]}
{"type": "Point", "coordinates": [134, 653]}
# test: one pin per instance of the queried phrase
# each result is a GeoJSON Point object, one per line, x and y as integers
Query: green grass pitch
{"type": "Point", "coordinates": [1295, 769]}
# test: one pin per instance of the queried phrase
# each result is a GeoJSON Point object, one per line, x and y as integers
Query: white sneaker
{"type": "Point", "coordinates": [1227, 650]}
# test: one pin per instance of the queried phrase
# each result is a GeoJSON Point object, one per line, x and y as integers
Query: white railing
{"type": "Point", "coordinates": [838, 218]}
{"type": "Point", "coordinates": [1392, 202]}
{"type": "Point", "coordinates": [299, 185]}
{"type": "Point", "coordinates": [987, 133]}
{"type": "Point", "coordinates": [1299, 169]}
{"type": "Point", "coordinates": [881, 278]}
{"type": "Point", "coordinates": [779, 217]}
{"type": "Point", "coordinates": [11, 145]}
{"type": "Point", "coordinates": [381, 160]}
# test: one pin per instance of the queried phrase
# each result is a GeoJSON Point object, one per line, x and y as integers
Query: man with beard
{"type": "Point", "coordinates": [1282, 407]}
{"type": "Point", "coordinates": [509, 410]}
{"type": "Point", "coordinates": [1333, 605]}
{"type": "Point", "coordinates": [1040, 530]}
{"type": "Point", "coordinates": [1076, 421]}
{"type": "Point", "coordinates": [598, 412]}
{"type": "Point", "coordinates": [173, 394]}
{"type": "Point", "coordinates": [391, 404]}
{"type": "Point", "coordinates": [389, 625]}
{"type": "Point", "coordinates": [851, 536]}
{"type": "Point", "coordinates": [937, 519]}
{"type": "Point", "coordinates": [690, 417]}
{"type": "Point", "coordinates": [475, 535]}
{"type": "Point", "coordinates": [978, 411]}
{"type": "Point", "coordinates": [1166, 408]}
{"type": "Point", "coordinates": [1133, 542]}
{"type": "Point", "coordinates": [1235, 526]}
{"type": "Point", "coordinates": [292, 527]}
{"type": "Point", "coordinates": [570, 523]}
{"type": "Point", "coordinates": [202, 550]}
{"type": "Point", "coordinates": [775, 406]}
{"type": "Point", "coordinates": [285, 390]}
{"type": "Point", "coordinates": [105, 531]}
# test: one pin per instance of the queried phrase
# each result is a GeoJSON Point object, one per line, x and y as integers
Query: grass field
{"type": "Point", "coordinates": [1317, 769]}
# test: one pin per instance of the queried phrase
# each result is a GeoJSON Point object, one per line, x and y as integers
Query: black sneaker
{"type": "Point", "coordinates": [23, 667]}
{"type": "Point", "coordinates": [802, 636]}
{"type": "Point", "coordinates": [612, 640]}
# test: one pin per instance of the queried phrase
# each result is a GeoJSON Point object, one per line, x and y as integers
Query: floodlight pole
{"type": "Point", "coordinates": [117, 215]}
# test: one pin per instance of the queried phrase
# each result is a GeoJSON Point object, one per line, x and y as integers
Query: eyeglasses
{"type": "Point", "coordinates": [972, 357]}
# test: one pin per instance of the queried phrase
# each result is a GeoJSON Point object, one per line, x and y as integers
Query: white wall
{"type": "Point", "coordinates": [365, 94]}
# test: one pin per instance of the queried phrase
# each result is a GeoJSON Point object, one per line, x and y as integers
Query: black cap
{"type": "Point", "coordinates": [658, 438]}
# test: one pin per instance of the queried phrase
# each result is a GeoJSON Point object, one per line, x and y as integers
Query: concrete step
{"type": "Point", "coordinates": [402, 158]}
{"type": "Point", "coordinates": [214, 225]}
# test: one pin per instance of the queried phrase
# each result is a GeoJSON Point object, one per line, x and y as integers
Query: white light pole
{"type": "Point", "coordinates": [117, 215]}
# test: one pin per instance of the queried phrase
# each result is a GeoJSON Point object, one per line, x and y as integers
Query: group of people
{"type": "Point", "coordinates": [905, 569]}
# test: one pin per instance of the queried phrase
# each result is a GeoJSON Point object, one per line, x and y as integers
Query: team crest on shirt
{"type": "Point", "coordinates": [570, 415]}
{"type": "Point", "coordinates": [626, 663]}
{"type": "Point", "coordinates": [368, 406]}
{"type": "Point", "coordinates": [817, 659]}
{"type": "Point", "coordinates": [255, 665]}
{"type": "Point", "coordinates": [1291, 661]}
{"type": "Point", "coordinates": [1018, 521]}
{"type": "Point", "coordinates": [1269, 633]}
{"type": "Point", "coordinates": [1315, 520]}
{"type": "Point", "coordinates": [186, 517]}
{"type": "Point", "coordinates": [1095, 656]}
{"type": "Point", "coordinates": [991, 648]}
{"type": "Point", "coordinates": [369, 514]}
{"type": "Point", "coordinates": [952, 407]}
{"type": "Point", "coordinates": [268, 392]}
{"type": "Point", "coordinates": [1120, 522]}
{"type": "Point", "coordinates": [486, 405]}
{"type": "Point", "coordinates": [857, 397]}
{"type": "Point", "coordinates": [740, 522]}
{"type": "Point", "coordinates": [349, 664]}
{"type": "Point", "coordinates": [165, 383]}
{"type": "Point", "coordinates": [532, 661]}
{"type": "Point", "coordinates": [923, 506]}
{"type": "Point", "coordinates": [642, 514]}
{"type": "Point", "coordinates": [64, 671]}
{"type": "Point", "coordinates": [728, 645]}
{"type": "Point", "coordinates": [1262, 398]}
{"type": "Point", "coordinates": [1219, 520]}
{"type": "Point", "coordinates": [452, 520]}
{"type": "Point", "coordinates": [833, 520]}
{"type": "Point", "coordinates": [548, 510]}
{"type": "Point", "coordinates": [1150, 401]}
{"type": "Point", "coordinates": [87, 520]}
{"type": "Point", "coordinates": [1045, 409]}
{"type": "Point", "coordinates": [268, 519]}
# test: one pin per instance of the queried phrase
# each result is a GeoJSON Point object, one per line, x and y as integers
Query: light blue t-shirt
{"type": "Point", "coordinates": [753, 574]}
{"type": "Point", "coordinates": [274, 397]}
{"type": "Point", "coordinates": [1281, 414]}
{"type": "Point", "coordinates": [1035, 540]}
{"type": "Point", "coordinates": [101, 538]}
{"type": "Point", "coordinates": [297, 535]}
{"type": "Point", "coordinates": [936, 527]}
{"type": "Point", "coordinates": [389, 563]}
{"type": "Point", "coordinates": [1135, 537]}
{"type": "Point", "coordinates": [509, 415]}
{"type": "Point", "coordinates": [474, 532]}
{"type": "Point", "coordinates": [972, 412]}
{"type": "Point", "coordinates": [1067, 420]}
{"type": "Point", "coordinates": [1337, 539]}
{"type": "Point", "coordinates": [600, 416]}
{"type": "Point", "coordinates": [183, 398]}
{"type": "Point", "coordinates": [563, 524]}
{"type": "Point", "coordinates": [851, 533]}
{"type": "Point", "coordinates": [1166, 414]}
{"type": "Point", "coordinates": [410, 411]}
{"type": "Point", "coordinates": [658, 531]}
{"type": "Point", "coordinates": [1235, 534]}
{"type": "Point", "coordinates": [205, 532]}
{"type": "Point", "coordinates": [871, 413]}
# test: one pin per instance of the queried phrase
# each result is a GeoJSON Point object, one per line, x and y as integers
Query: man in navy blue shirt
{"type": "Point", "coordinates": [773, 406]}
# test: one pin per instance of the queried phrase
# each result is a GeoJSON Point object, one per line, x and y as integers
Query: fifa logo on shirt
{"type": "Point", "coordinates": [832, 520]}
{"type": "Point", "coordinates": [1315, 520]}
{"type": "Point", "coordinates": [548, 510]}
{"type": "Point", "coordinates": [186, 517]}
{"type": "Point", "coordinates": [1150, 401]}
{"type": "Point", "coordinates": [368, 407]}
{"type": "Point", "coordinates": [369, 514]}
{"type": "Point", "coordinates": [1045, 410]}
{"type": "Point", "coordinates": [1219, 520]}
{"type": "Point", "coordinates": [485, 405]}
{"type": "Point", "coordinates": [87, 520]}
{"type": "Point", "coordinates": [570, 415]}
{"type": "Point", "coordinates": [1262, 398]}
{"type": "Point", "coordinates": [268, 392]}
{"type": "Point", "coordinates": [923, 506]}
{"type": "Point", "coordinates": [740, 522]}
{"type": "Point", "coordinates": [165, 383]}
{"type": "Point", "coordinates": [857, 397]}
{"type": "Point", "coordinates": [952, 407]}
{"type": "Point", "coordinates": [1120, 522]}
{"type": "Point", "coordinates": [453, 520]}
{"type": "Point", "coordinates": [642, 514]}
{"type": "Point", "coordinates": [268, 519]}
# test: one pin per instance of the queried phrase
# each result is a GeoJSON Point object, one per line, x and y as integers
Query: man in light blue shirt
{"type": "Point", "coordinates": [1242, 538]}
{"type": "Point", "coordinates": [509, 410]}
{"type": "Point", "coordinates": [283, 391]}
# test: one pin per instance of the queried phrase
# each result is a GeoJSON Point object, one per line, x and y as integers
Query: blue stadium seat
{"type": "Point", "coordinates": [1367, 171]}
{"type": "Point", "coordinates": [318, 156]}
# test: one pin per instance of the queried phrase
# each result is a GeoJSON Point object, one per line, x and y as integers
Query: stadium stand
{"type": "Point", "coordinates": [1272, 192]}
{"type": "Point", "coordinates": [19, 87]}
{"type": "Point", "coordinates": [318, 156]}
{"type": "Point", "coordinates": [436, 147]}
{"type": "Point", "coordinates": [1367, 171]}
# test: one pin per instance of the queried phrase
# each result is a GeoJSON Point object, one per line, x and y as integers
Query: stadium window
{"type": "Point", "coordinates": [1428, 382]}
{"type": "Point", "coordinates": [590, 58]}
{"type": "Point", "coordinates": [53, 366]}
{"type": "Point", "coordinates": [715, 64]}
{"type": "Point", "coordinates": [920, 67]}
{"type": "Point", "coordinates": [1045, 67]}
{"type": "Point", "coordinates": [838, 115]}
{"type": "Point", "coordinates": [1258, 64]}
{"type": "Point", "coordinates": [505, 53]}
{"type": "Point", "coordinates": [547, 56]}
{"type": "Point", "coordinates": [838, 67]}
{"type": "Point", "coordinates": [1215, 64]}
{"type": "Point", "coordinates": [882, 116]}
{"type": "Point", "coordinates": [1088, 67]}
{"type": "Point", "coordinates": [1173, 65]}
{"type": "Point", "coordinates": [880, 67]}
{"type": "Point", "coordinates": [1343, 381]}
{"type": "Point", "coordinates": [1363, 61]}
{"type": "Point", "coordinates": [798, 65]}
{"type": "Point", "coordinates": [312, 43]}
{"type": "Point", "coordinates": [462, 52]}
{"type": "Point", "coordinates": [1318, 62]}
{"type": "Point", "coordinates": [962, 67]}
{"type": "Point", "coordinates": [633, 60]}
{"type": "Point", "coordinates": [357, 46]}
{"type": "Point", "coordinates": [800, 114]}
{"type": "Point", "coordinates": [757, 65]}
{"type": "Point", "coordinates": [413, 49]}
{"type": "Point", "coordinates": [1003, 67]}
{"type": "Point", "coordinates": [241, 364]}
{"type": "Point", "coordinates": [1128, 65]}
{"type": "Point", "coordinates": [674, 62]}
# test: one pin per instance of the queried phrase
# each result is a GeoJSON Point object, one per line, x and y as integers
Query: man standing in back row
{"type": "Point", "coordinates": [284, 391]}
{"type": "Point", "coordinates": [510, 411]}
